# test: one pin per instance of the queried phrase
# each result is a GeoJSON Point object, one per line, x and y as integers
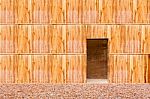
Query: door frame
{"type": "Point", "coordinates": [108, 67]}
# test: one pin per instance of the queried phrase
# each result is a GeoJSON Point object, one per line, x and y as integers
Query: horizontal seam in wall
{"type": "Point", "coordinates": [71, 54]}
{"type": "Point", "coordinates": [74, 24]}
{"type": "Point", "coordinates": [42, 54]}
{"type": "Point", "coordinates": [129, 53]}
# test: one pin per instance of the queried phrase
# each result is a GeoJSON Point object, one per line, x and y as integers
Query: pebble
{"type": "Point", "coordinates": [74, 91]}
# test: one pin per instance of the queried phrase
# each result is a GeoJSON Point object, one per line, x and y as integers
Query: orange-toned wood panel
{"type": "Point", "coordinates": [40, 39]}
{"type": "Point", "coordinates": [75, 39]}
{"type": "Point", "coordinates": [32, 39]}
{"type": "Point", "coordinates": [42, 68]}
{"type": "Point", "coordinates": [75, 11]}
{"type": "Point", "coordinates": [14, 69]}
{"type": "Point", "coordinates": [72, 39]}
{"type": "Point", "coordinates": [14, 39]}
{"type": "Point", "coordinates": [22, 11]}
{"type": "Point", "coordinates": [8, 36]}
{"type": "Point", "coordinates": [75, 69]}
{"type": "Point", "coordinates": [149, 69]}
{"type": "Point", "coordinates": [57, 39]}
{"type": "Point", "coordinates": [123, 38]}
{"type": "Point", "coordinates": [40, 11]}
{"type": "Point", "coordinates": [7, 69]}
{"type": "Point", "coordinates": [15, 11]}
{"type": "Point", "coordinates": [47, 69]}
{"type": "Point", "coordinates": [7, 11]}
{"type": "Point", "coordinates": [48, 11]}
{"type": "Point", "coordinates": [48, 39]}
{"type": "Point", "coordinates": [128, 68]}
{"type": "Point", "coordinates": [23, 37]}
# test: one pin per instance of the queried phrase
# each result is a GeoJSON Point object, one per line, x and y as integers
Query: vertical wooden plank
{"type": "Point", "coordinates": [3, 39]}
{"type": "Point", "coordinates": [0, 11]}
{"type": "Point", "coordinates": [56, 6]}
{"type": "Point", "coordinates": [76, 72]}
{"type": "Point", "coordinates": [37, 62]}
{"type": "Point", "coordinates": [74, 11]}
{"type": "Point", "coordinates": [4, 69]}
{"type": "Point", "coordinates": [129, 69]}
{"type": "Point", "coordinates": [15, 69]}
{"type": "Point", "coordinates": [30, 69]}
{"type": "Point", "coordinates": [40, 11]}
{"type": "Point", "coordinates": [23, 11]}
{"type": "Point", "coordinates": [0, 55]}
{"type": "Point", "coordinates": [115, 69]}
{"type": "Point", "coordinates": [141, 16]}
{"type": "Point", "coordinates": [7, 11]}
{"type": "Point", "coordinates": [23, 44]}
{"type": "Point", "coordinates": [107, 14]}
{"type": "Point", "coordinates": [149, 69]}
{"type": "Point", "coordinates": [40, 38]}
{"type": "Point", "coordinates": [7, 39]}
{"type": "Point", "coordinates": [68, 71]}
{"type": "Point", "coordinates": [146, 58]}
{"type": "Point", "coordinates": [123, 11]}
{"type": "Point", "coordinates": [34, 69]}
{"type": "Point", "coordinates": [110, 69]}
{"type": "Point", "coordinates": [0, 38]}
{"type": "Point", "coordinates": [143, 38]}
{"type": "Point", "coordinates": [147, 39]}
{"type": "Point", "coordinates": [23, 74]}
{"type": "Point", "coordinates": [76, 39]}
{"type": "Point", "coordinates": [148, 13]}
{"type": "Point", "coordinates": [56, 39]}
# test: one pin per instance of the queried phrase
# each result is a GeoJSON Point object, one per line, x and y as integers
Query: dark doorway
{"type": "Point", "coordinates": [97, 50]}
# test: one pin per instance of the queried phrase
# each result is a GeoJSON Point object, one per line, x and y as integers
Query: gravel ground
{"type": "Point", "coordinates": [74, 91]}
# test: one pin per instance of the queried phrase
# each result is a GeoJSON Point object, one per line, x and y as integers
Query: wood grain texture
{"type": "Point", "coordinates": [72, 39]}
{"type": "Point", "coordinates": [37, 44]}
{"type": "Point", "coordinates": [42, 68]}
{"type": "Point", "coordinates": [76, 39]}
{"type": "Point", "coordinates": [7, 10]}
{"type": "Point", "coordinates": [67, 48]}
{"type": "Point", "coordinates": [123, 38]}
{"type": "Point", "coordinates": [75, 11]}
{"type": "Point", "coordinates": [128, 68]}
{"type": "Point", "coordinates": [148, 77]}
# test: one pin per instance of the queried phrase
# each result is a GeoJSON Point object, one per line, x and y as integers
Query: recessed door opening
{"type": "Point", "coordinates": [97, 69]}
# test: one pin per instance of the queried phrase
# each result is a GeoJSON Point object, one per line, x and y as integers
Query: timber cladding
{"type": "Point", "coordinates": [75, 11]}
{"type": "Point", "coordinates": [44, 41]}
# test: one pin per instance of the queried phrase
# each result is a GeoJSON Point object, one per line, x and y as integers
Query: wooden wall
{"type": "Point", "coordinates": [44, 41]}
{"type": "Point", "coordinates": [75, 11]}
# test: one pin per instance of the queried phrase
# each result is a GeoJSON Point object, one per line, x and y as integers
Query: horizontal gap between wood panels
{"type": "Point", "coordinates": [74, 23]}
{"type": "Point", "coordinates": [42, 54]}
{"type": "Point", "coordinates": [129, 53]}
{"type": "Point", "coordinates": [70, 54]}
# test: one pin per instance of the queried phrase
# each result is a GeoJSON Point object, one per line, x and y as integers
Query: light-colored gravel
{"type": "Point", "coordinates": [74, 91]}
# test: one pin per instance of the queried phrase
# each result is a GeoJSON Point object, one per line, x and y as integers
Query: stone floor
{"type": "Point", "coordinates": [74, 91]}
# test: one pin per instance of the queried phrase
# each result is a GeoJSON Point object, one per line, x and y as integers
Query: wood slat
{"type": "Point", "coordinates": [128, 69]}
{"type": "Point", "coordinates": [148, 70]}
{"type": "Point", "coordinates": [44, 41]}
{"type": "Point", "coordinates": [42, 69]}
{"type": "Point", "coordinates": [75, 11]}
